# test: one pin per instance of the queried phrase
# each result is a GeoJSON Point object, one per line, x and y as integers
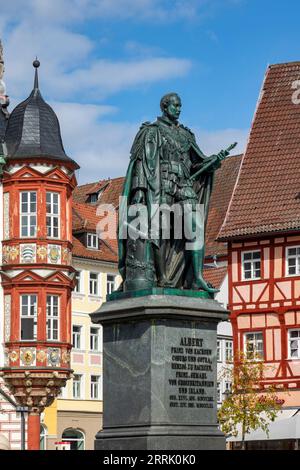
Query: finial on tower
{"type": "Point", "coordinates": [36, 63]}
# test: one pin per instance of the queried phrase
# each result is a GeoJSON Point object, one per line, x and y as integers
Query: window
{"type": "Point", "coordinates": [294, 344]}
{"type": "Point", "coordinates": [219, 357]}
{"type": "Point", "coordinates": [93, 198]}
{"type": "Point", "coordinates": [92, 240]}
{"type": "Point", "coordinates": [110, 283]}
{"type": "Point", "coordinates": [77, 282]}
{"type": "Point", "coordinates": [293, 260]}
{"type": "Point", "coordinates": [28, 317]}
{"type": "Point", "coordinates": [95, 339]}
{"type": "Point", "coordinates": [77, 385]}
{"type": "Point", "coordinates": [28, 214]}
{"type": "Point", "coordinates": [251, 265]}
{"type": "Point", "coordinates": [52, 317]}
{"type": "Point", "coordinates": [254, 344]}
{"type": "Point", "coordinates": [227, 390]}
{"type": "Point", "coordinates": [93, 288]}
{"type": "Point", "coordinates": [52, 214]}
{"type": "Point", "coordinates": [219, 398]}
{"type": "Point", "coordinates": [43, 437]}
{"type": "Point", "coordinates": [228, 350]}
{"type": "Point", "coordinates": [95, 387]}
{"type": "Point", "coordinates": [76, 337]}
{"type": "Point", "coordinates": [75, 437]}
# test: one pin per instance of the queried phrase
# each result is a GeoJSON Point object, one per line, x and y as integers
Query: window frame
{"type": "Point", "coordinates": [252, 278]}
{"type": "Point", "coordinates": [78, 284]}
{"type": "Point", "coordinates": [94, 335]}
{"type": "Point", "coordinates": [97, 294]}
{"type": "Point", "coordinates": [51, 318]}
{"type": "Point", "coordinates": [77, 335]}
{"type": "Point", "coordinates": [290, 357]}
{"type": "Point", "coordinates": [28, 214]}
{"type": "Point", "coordinates": [219, 393]}
{"type": "Point", "coordinates": [247, 333]}
{"type": "Point", "coordinates": [34, 316]}
{"type": "Point", "coordinates": [92, 236]}
{"type": "Point", "coordinates": [228, 341]}
{"type": "Point", "coordinates": [80, 386]}
{"type": "Point", "coordinates": [109, 283]}
{"type": "Point", "coordinates": [98, 385]}
{"type": "Point", "coordinates": [219, 350]}
{"type": "Point", "coordinates": [52, 215]}
{"type": "Point", "coordinates": [287, 257]}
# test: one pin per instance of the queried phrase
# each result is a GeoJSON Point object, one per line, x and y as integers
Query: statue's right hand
{"type": "Point", "coordinates": [138, 197]}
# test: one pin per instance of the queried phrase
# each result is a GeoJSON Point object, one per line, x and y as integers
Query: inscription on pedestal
{"type": "Point", "coordinates": [191, 375]}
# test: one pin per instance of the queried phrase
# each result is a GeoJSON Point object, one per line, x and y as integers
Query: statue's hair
{"type": "Point", "coordinates": [164, 102]}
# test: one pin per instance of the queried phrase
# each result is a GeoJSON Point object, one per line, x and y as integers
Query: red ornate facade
{"type": "Point", "coordinates": [37, 272]}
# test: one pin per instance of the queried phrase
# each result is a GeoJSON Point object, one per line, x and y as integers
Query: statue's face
{"type": "Point", "coordinates": [174, 108]}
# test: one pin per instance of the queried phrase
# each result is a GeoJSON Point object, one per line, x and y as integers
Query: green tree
{"type": "Point", "coordinates": [247, 405]}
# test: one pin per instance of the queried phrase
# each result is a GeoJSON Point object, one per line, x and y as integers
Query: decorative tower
{"type": "Point", "coordinates": [37, 276]}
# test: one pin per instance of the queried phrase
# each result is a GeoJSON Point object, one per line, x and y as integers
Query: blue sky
{"type": "Point", "coordinates": [106, 63]}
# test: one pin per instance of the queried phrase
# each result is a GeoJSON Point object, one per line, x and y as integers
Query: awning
{"type": "Point", "coordinates": [285, 426]}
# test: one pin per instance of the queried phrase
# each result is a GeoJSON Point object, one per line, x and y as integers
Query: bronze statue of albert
{"type": "Point", "coordinates": [166, 168]}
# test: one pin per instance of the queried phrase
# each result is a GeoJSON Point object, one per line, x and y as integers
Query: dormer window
{"type": "Point", "coordinates": [92, 241]}
{"type": "Point", "coordinates": [93, 198]}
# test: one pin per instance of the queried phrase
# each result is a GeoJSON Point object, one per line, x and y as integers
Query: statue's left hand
{"type": "Point", "coordinates": [223, 154]}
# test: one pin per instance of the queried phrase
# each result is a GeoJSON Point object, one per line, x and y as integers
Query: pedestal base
{"type": "Point", "coordinates": [159, 384]}
{"type": "Point", "coordinates": [161, 438]}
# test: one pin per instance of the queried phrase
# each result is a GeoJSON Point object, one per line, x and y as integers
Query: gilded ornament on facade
{"type": "Point", "coordinates": [14, 253]}
{"type": "Point", "coordinates": [66, 357]}
{"type": "Point", "coordinates": [28, 356]}
{"type": "Point", "coordinates": [54, 254]}
{"type": "Point", "coordinates": [41, 356]}
{"type": "Point", "coordinates": [67, 256]}
{"type": "Point", "coordinates": [13, 356]}
{"type": "Point", "coordinates": [42, 252]}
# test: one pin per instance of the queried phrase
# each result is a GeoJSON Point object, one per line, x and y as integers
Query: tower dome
{"type": "Point", "coordinates": [33, 129]}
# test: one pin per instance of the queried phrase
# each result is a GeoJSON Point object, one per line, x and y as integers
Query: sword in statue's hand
{"type": "Point", "coordinates": [221, 156]}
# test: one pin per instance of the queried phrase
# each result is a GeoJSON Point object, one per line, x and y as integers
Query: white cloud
{"type": "Point", "coordinates": [68, 68]}
{"type": "Point", "coordinates": [213, 141]}
{"type": "Point", "coordinates": [105, 77]}
{"type": "Point", "coordinates": [67, 11]}
{"type": "Point", "coordinates": [101, 147]}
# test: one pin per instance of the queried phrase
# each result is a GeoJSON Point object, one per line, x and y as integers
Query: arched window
{"type": "Point", "coordinates": [43, 437]}
{"type": "Point", "coordinates": [75, 437]}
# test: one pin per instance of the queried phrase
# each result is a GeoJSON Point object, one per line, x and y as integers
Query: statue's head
{"type": "Point", "coordinates": [170, 105]}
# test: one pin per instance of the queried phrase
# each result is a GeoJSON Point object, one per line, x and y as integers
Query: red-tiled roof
{"type": "Point", "coordinates": [266, 197]}
{"type": "Point", "coordinates": [84, 217]}
{"type": "Point", "coordinates": [112, 189]}
{"type": "Point", "coordinates": [225, 179]}
{"type": "Point", "coordinates": [106, 252]}
{"type": "Point", "coordinates": [215, 275]}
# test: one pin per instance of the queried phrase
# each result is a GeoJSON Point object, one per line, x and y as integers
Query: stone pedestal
{"type": "Point", "coordinates": [160, 373]}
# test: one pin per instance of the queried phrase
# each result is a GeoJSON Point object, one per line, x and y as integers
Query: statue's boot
{"type": "Point", "coordinates": [199, 283]}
